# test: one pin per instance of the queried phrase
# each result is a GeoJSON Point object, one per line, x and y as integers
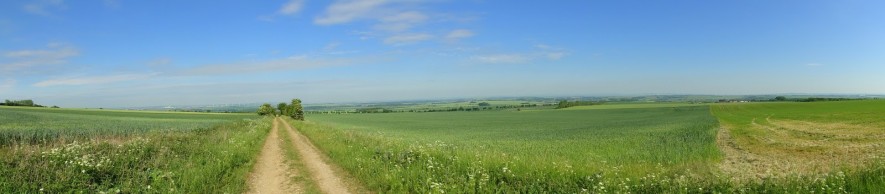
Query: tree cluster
{"type": "Point", "coordinates": [29, 103]}
{"type": "Point", "coordinates": [566, 103]}
{"type": "Point", "coordinates": [294, 110]}
{"type": "Point", "coordinates": [265, 110]}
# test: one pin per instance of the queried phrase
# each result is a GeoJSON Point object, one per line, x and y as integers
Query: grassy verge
{"type": "Point", "coordinates": [207, 160]}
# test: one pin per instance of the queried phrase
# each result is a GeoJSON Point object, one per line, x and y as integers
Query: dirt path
{"type": "Point", "coordinates": [269, 173]}
{"type": "Point", "coordinates": [321, 172]}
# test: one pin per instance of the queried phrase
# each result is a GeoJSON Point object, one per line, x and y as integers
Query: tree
{"type": "Point", "coordinates": [780, 98]}
{"type": "Point", "coordinates": [297, 111]}
{"type": "Point", "coordinates": [265, 110]}
{"type": "Point", "coordinates": [284, 109]}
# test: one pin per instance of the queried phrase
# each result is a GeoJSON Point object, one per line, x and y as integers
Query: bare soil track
{"type": "Point", "coordinates": [321, 172]}
{"type": "Point", "coordinates": [270, 173]}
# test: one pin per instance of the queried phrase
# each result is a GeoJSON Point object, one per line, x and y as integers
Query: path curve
{"type": "Point", "coordinates": [322, 173]}
{"type": "Point", "coordinates": [267, 176]}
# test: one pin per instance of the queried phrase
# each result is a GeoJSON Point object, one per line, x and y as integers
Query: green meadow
{"type": "Point", "coordinates": [104, 151]}
{"type": "Point", "coordinates": [764, 147]}
{"type": "Point", "coordinates": [646, 147]}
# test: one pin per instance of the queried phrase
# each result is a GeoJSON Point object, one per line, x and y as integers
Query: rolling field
{"type": "Point", "coordinates": [44, 125]}
{"type": "Point", "coordinates": [93, 151]}
{"type": "Point", "coordinates": [630, 148]}
{"type": "Point", "coordinates": [528, 151]}
{"type": "Point", "coordinates": [771, 147]}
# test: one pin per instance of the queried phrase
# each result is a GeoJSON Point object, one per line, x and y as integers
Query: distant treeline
{"type": "Point", "coordinates": [483, 106]}
{"type": "Point", "coordinates": [785, 99]}
{"type": "Point", "coordinates": [566, 103]}
{"type": "Point", "coordinates": [823, 99]}
{"type": "Point", "coordinates": [29, 103]}
{"type": "Point", "coordinates": [811, 99]}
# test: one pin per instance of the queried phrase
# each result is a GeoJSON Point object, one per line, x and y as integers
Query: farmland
{"type": "Point", "coordinates": [624, 148]}
{"type": "Point", "coordinates": [830, 147]}
{"type": "Point", "coordinates": [92, 151]}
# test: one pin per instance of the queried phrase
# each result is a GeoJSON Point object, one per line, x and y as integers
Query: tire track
{"type": "Point", "coordinates": [267, 176]}
{"type": "Point", "coordinates": [321, 172]}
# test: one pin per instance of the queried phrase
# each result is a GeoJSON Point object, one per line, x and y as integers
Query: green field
{"type": "Point", "coordinates": [647, 147]}
{"type": "Point", "coordinates": [95, 151]}
{"type": "Point", "coordinates": [768, 147]}
{"type": "Point", "coordinates": [43, 125]}
{"type": "Point", "coordinates": [529, 151]}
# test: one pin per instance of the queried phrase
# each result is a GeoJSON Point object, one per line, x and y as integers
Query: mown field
{"type": "Point", "coordinates": [633, 148]}
{"type": "Point", "coordinates": [102, 151]}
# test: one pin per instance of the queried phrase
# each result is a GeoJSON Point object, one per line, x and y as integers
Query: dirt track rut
{"type": "Point", "coordinates": [321, 173]}
{"type": "Point", "coordinates": [266, 175]}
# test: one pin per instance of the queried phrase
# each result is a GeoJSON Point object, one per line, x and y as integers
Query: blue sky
{"type": "Point", "coordinates": [117, 53]}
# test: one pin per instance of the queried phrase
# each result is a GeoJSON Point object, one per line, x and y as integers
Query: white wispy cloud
{"type": "Point", "coordinates": [276, 65]}
{"type": "Point", "coordinates": [54, 54]}
{"type": "Point", "coordinates": [7, 85]}
{"type": "Point", "coordinates": [542, 52]}
{"type": "Point", "coordinates": [44, 7]}
{"type": "Point", "coordinates": [459, 34]}
{"type": "Point", "coordinates": [291, 7]}
{"type": "Point", "coordinates": [344, 11]}
{"type": "Point", "coordinates": [104, 79]}
{"type": "Point", "coordinates": [551, 52]}
{"type": "Point", "coordinates": [502, 58]}
{"type": "Point", "coordinates": [401, 21]}
{"type": "Point", "coordinates": [402, 39]}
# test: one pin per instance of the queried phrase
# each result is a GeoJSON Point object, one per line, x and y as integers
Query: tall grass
{"type": "Point", "coordinates": [212, 158]}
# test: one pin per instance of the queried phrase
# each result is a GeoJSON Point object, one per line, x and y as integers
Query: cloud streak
{"type": "Point", "coordinates": [401, 21]}
{"type": "Point", "coordinates": [502, 58]}
{"type": "Point", "coordinates": [44, 7]}
{"type": "Point", "coordinates": [345, 11]}
{"type": "Point", "coordinates": [92, 80]}
{"type": "Point", "coordinates": [459, 34]}
{"type": "Point", "coordinates": [7, 85]}
{"type": "Point", "coordinates": [292, 7]}
{"type": "Point", "coordinates": [404, 39]}
{"type": "Point", "coordinates": [276, 65]}
{"type": "Point", "coordinates": [29, 60]}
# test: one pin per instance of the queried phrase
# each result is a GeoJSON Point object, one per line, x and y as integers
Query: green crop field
{"type": "Point", "coordinates": [101, 151]}
{"type": "Point", "coordinates": [765, 147]}
{"type": "Point", "coordinates": [605, 148]}
{"type": "Point", "coordinates": [560, 151]}
{"type": "Point", "coordinates": [39, 125]}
